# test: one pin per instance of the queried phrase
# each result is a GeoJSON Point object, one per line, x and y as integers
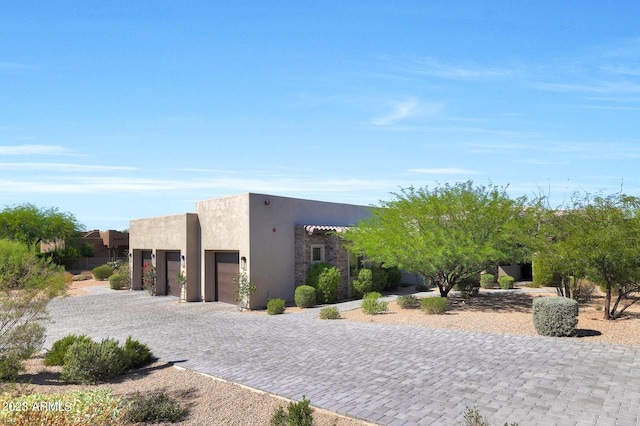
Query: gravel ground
{"type": "Point", "coordinates": [216, 402]}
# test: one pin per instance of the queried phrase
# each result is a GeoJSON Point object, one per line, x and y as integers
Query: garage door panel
{"type": "Point", "coordinates": [173, 267]}
{"type": "Point", "coordinates": [227, 267]}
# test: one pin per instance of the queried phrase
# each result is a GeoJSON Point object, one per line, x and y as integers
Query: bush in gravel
{"type": "Point", "coordinates": [372, 305]}
{"type": "Point", "coordinates": [275, 306]}
{"type": "Point", "coordinates": [297, 414]}
{"type": "Point", "coordinates": [117, 282]}
{"type": "Point", "coordinates": [506, 283]}
{"type": "Point", "coordinates": [102, 272]}
{"type": "Point", "coordinates": [329, 313]}
{"type": "Point", "coordinates": [434, 305]}
{"type": "Point", "coordinates": [408, 302]}
{"type": "Point", "coordinates": [138, 354]}
{"type": "Point", "coordinates": [91, 362]}
{"type": "Point", "coordinates": [364, 283]}
{"type": "Point", "coordinates": [305, 296]}
{"type": "Point", "coordinates": [468, 287]}
{"type": "Point", "coordinates": [154, 408]}
{"type": "Point", "coordinates": [555, 316]}
{"type": "Point", "coordinates": [10, 368]}
{"type": "Point", "coordinates": [55, 355]}
{"type": "Point", "coordinates": [487, 281]}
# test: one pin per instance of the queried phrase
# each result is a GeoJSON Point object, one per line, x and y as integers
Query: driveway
{"type": "Point", "coordinates": [392, 375]}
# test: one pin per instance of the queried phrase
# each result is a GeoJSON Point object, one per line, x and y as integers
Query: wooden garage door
{"type": "Point", "coordinates": [227, 267]}
{"type": "Point", "coordinates": [173, 267]}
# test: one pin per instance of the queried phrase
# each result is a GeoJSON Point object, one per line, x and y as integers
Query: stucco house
{"type": "Point", "coordinates": [274, 239]}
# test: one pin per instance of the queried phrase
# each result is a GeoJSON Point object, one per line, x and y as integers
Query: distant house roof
{"type": "Point", "coordinates": [311, 229]}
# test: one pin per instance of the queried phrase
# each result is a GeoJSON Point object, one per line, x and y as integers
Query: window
{"type": "Point", "coordinates": [317, 253]}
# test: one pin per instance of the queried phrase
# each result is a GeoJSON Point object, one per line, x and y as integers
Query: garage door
{"type": "Point", "coordinates": [173, 267]}
{"type": "Point", "coordinates": [227, 267]}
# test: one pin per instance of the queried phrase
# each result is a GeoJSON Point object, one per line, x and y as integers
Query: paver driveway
{"type": "Point", "coordinates": [386, 374]}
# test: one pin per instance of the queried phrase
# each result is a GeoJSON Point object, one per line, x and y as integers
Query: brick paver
{"type": "Point", "coordinates": [381, 373]}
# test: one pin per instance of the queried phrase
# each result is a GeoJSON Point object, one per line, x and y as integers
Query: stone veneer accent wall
{"type": "Point", "coordinates": [334, 254]}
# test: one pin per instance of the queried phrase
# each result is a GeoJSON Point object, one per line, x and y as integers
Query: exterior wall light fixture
{"type": "Point", "coordinates": [243, 263]}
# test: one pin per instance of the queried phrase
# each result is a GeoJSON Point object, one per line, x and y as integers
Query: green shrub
{"type": "Point", "coordinates": [55, 355]}
{"type": "Point", "coordinates": [506, 282]}
{"type": "Point", "coordinates": [394, 277]}
{"type": "Point", "coordinates": [297, 414]}
{"type": "Point", "coordinates": [408, 302]}
{"type": "Point", "coordinates": [314, 273]}
{"type": "Point", "coordinates": [371, 305]}
{"type": "Point", "coordinates": [420, 288]}
{"type": "Point", "coordinates": [305, 296]}
{"type": "Point", "coordinates": [275, 306]}
{"type": "Point", "coordinates": [543, 275]}
{"type": "Point", "coordinates": [138, 354]}
{"type": "Point", "coordinates": [154, 408]}
{"type": "Point", "coordinates": [487, 281]}
{"type": "Point", "coordinates": [379, 278]}
{"type": "Point", "coordinates": [91, 362]}
{"type": "Point", "coordinates": [434, 305]}
{"type": "Point", "coordinates": [329, 313]}
{"type": "Point", "coordinates": [468, 287]}
{"type": "Point", "coordinates": [555, 316]}
{"type": "Point", "coordinates": [363, 284]}
{"type": "Point", "coordinates": [25, 340]}
{"type": "Point", "coordinates": [10, 368]}
{"type": "Point", "coordinates": [327, 286]}
{"type": "Point", "coordinates": [102, 272]}
{"type": "Point", "coordinates": [117, 282]}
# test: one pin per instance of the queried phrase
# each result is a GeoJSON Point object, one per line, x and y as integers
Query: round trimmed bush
{"type": "Point", "coordinates": [138, 354]}
{"type": "Point", "coordinates": [102, 272]}
{"type": "Point", "coordinates": [506, 282]}
{"type": "Point", "coordinates": [305, 296]}
{"type": "Point", "coordinates": [117, 282]}
{"type": "Point", "coordinates": [364, 283]}
{"type": "Point", "coordinates": [487, 281]}
{"type": "Point", "coordinates": [434, 305]}
{"type": "Point", "coordinates": [329, 313]}
{"type": "Point", "coordinates": [275, 306]}
{"type": "Point", "coordinates": [327, 286]}
{"type": "Point", "coordinates": [91, 362]}
{"type": "Point", "coordinates": [555, 316]}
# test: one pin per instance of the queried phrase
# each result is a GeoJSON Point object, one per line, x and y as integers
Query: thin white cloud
{"type": "Point", "coordinates": [400, 111]}
{"type": "Point", "coordinates": [446, 171]}
{"type": "Point", "coordinates": [32, 149]}
{"type": "Point", "coordinates": [433, 68]}
{"type": "Point", "coordinates": [601, 87]}
{"type": "Point", "coordinates": [63, 167]}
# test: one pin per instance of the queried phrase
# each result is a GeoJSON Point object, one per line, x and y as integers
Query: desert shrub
{"type": "Point", "coordinates": [394, 277]}
{"type": "Point", "coordinates": [555, 316]}
{"type": "Point", "coordinates": [422, 288]}
{"type": "Point", "coordinates": [434, 305]}
{"type": "Point", "coordinates": [329, 313]}
{"type": "Point", "coordinates": [487, 281]}
{"type": "Point", "coordinates": [275, 306]}
{"type": "Point", "coordinates": [10, 368]}
{"type": "Point", "coordinates": [25, 340]}
{"type": "Point", "coordinates": [102, 272]}
{"type": "Point", "coordinates": [468, 287]}
{"type": "Point", "coordinates": [296, 414]}
{"type": "Point", "coordinates": [117, 282]}
{"type": "Point", "coordinates": [138, 354]}
{"type": "Point", "coordinates": [314, 273]}
{"type": "Point", "coordinates": [583, 290]}
{"type": "Point", "coordinates": [154, 408]}
{"type": "Point", "coordinates": [124, 270]}
{"type": "Point", "coordinates": [506, 282]}
{"type": "Point", "coordinates": [372, 305]}
{"type": "Point", "coordinates": [91, 362]}
{"type": "Point", "coordinates": [408, 302]}
{"type": "Point", "coordinates": [305, 296]}
{"type": "Point", "coordinates": [327, 285]}
{"type": "Point", "coordinates": [543, 275]}
{"type": "Point", "coordinates": [55, 355]}
{"type": "Point", "coordinates": [379, 278]}
{"type": "Point", "coordinates": [79, 408]}
{"type": "Point", "coordinates": [364, 283]}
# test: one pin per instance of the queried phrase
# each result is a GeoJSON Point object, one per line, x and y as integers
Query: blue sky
{"type": "Point", "coordinates": [121, 110]}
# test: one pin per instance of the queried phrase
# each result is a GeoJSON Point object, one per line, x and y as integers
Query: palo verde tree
{"type": "Point", "coordinates": [597, 239]}
{"type": "Point", "coordinates": [447, 234]}
{"type": "Point", "coordinates": [29, 224]}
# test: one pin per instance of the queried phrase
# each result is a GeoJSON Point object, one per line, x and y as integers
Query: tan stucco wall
{"type": "Point", "coordinates": [170, 233]}
{"type": "Point", "coordinates": [272, 257]}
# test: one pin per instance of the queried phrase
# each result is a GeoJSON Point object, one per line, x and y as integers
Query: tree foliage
{"type": "Point", "coordinates": [598, 239]}
{"type": "Point", "coordinates": [27, 283]}
{"type": "Point", "coordinates": [448, 233]}
{"type": "Point", "coordinates": [29, 224]}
